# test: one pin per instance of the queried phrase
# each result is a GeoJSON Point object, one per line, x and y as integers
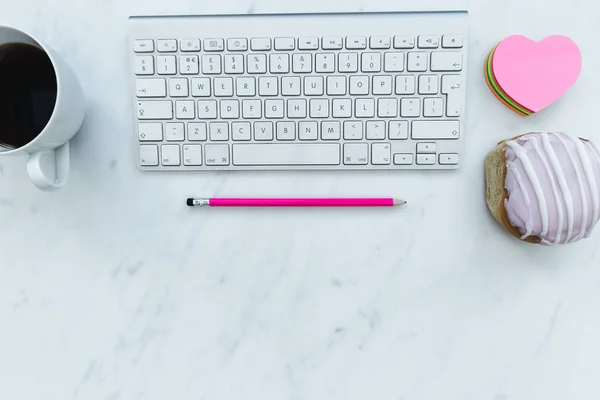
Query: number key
{"type": "Point", "coordinates": [348, 62]}
{"type": "Point", "coordinates": [325, 62]}
{"type": "Point", "coordinates": [211, 64]}
{"type": "Point", "coordinates": [371, 62]}
{"type": "Point", "coordinates": [302, 63]}
{"type": "Point", "coordinates": [188, 65]}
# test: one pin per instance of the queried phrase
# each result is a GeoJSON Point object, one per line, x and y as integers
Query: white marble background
{"type": "Point", "coordinates": [131, 295]}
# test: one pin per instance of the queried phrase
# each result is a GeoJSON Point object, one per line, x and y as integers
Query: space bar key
{"type": "Point", "coordinates": [286, 154]}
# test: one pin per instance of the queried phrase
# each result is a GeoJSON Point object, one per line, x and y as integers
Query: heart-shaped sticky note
{"type": "Point", "coordinates": [529, 76]}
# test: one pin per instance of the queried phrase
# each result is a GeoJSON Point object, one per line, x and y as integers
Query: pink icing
{"type": "Point", "coordinates": [553, 185]}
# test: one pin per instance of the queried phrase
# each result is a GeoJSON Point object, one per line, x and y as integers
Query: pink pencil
{"type": "Point", "coordinates": [296, 202]}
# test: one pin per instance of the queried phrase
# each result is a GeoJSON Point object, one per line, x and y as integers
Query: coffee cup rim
{"type": "Point", "coordinates": [38, 137]}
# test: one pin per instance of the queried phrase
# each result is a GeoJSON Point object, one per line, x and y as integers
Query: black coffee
{"type": "Point", "coordinates": [27, 93]}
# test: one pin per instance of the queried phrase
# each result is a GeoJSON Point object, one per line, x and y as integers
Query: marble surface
{"type": "Point", "coordinates": [112, 289]}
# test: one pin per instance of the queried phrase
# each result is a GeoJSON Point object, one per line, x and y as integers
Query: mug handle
{"type": "Point", "coordinates": [56, 162]}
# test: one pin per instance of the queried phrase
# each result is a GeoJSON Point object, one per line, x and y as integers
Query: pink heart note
{"type": "Point", "coordinates": [536, 74]}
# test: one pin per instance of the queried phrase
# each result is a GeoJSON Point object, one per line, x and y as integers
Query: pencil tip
{"type": "Point", "coordinates": [398, 202]}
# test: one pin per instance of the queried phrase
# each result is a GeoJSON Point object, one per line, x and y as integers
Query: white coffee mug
{"type": "Point", "coordinates": [48, 162]}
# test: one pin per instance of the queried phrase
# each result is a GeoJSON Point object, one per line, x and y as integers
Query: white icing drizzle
{"type": "Point", "coordinates": [584, 206]}
{"type": "Point", "coordinates": [591, 179]}
{"type": "Point", "coordinates": [529, 222]}
{"type": "Point", "coordinates": [567, 196]}
{"type": "Point", "coordinates": [521, 154]}
{"type": "Point", "coordinates": [557, 197]}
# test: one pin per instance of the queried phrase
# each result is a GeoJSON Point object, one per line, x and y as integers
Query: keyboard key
{"type": "Point", "coordinates": [330, 130]}
{"type": "Point", "coordinates": [433, 107]}
{"type": "Point", "coordinates": [332, 43]}
{"type": "Point", "coordinates": [325, 62]}
{"type": "Point", "coordinates": [404, 42]}
{"type": "Point", "coordinates": [207, 109]}
{"type": "Point", "coordinates": [286, 43]}
{"type": "Point", "coordinates": [301, 63]}
{"type": "Point", "coordinates": [245, 87]}
{"type": "Point", "coordinates": [218, 131]}
{"type": "Point", "coordinates": [381, 153]}
{"type": "Point", "coordinates": [425, 159]}
{"type": "Point", "coordinates": [150, 132]}
{"type": "Point", "coordinates": [166, 45]}
{"type": "Point", "coordinates": [451, 87]}
{"type": "Point", "coordinates": [446, 61]}
{"type": "Point", "coordinates": [359, 84]}
{"type": "Point", "coordinates": [405, 84]}
{"type": "Point", "coordinates": [341, 108]}
{"type": "Point", "coordinates": [353, 130]}
{"type": "Point", "coordinates": [201, 87]}
{"type": "Point", "coordinates": [375, 130]}
{"type": "Point", "coordinates": [348, 62]}
{"type": "Point", "coordinates": [234, 64]}
{"type": "Point", "coordinates": [291, 86]}
{"type": "Point", "coordinates": [188, 64]}
{"type": "Point", "coordinates": [403, 159]}
{"type": "Point", "coordinates": [382, 84]}
{"type": "Point", "coordinates": [417, 61]}
{"type": "Point", "coordinates": [371, 62]}
{"type": "Point", "coordinates": [428, 84]}
{"type": "Point", "coordinates": [448, 159]}
{"type": "Point", "coordinates": [398, 130]}
{"type": "Point", "coordinates": [165, 65]}
{"type": "Point", "coordinates": [241, 131]}
{"type": "Point", "coordinates": [452, 42]}
{"type": "Point", "coordinates": [151, 87]}
{"type": "Point", "coordinates": [178, 87]}
{"type": "Point", "coordinates": [185, 109]}
{"type": "Point", "coordinates": [174, 132]}
{"type": "Point", "coordinates": [336, 85]}
{"type": "Point", "coordinates": [296, 108]}
{"type": "Point", "coordinates": [159, 109]}
{"type": "Point", "coordinates": [356, 153]}
{"type": "Point", "coordinates": [380, 42]}
{"type": "Point", "coordinates": [257, 63]}
{"type": "Point", "coordinates": [426, 148]}
{"type": "Point", "coordinates": [258, 44]}
{"type": "Point", "coordinates": [148, 155]}
{"type": "Point", "coordinates": [144, 65]}
{"type": "Point", "coordinates": [192, 154]}
{"type": "Point", "coordinates": [356, 42]}
{"type": "Point", "coordinates": [237, 44]}
{"type": "Point", "coordinates": [410, 107]}
{"type": "Point", "coordinates": [170, 155]}
{"type": "Point", "coordinates": [313, 86]}
{"type": "Point", "coordinates": [216, 154]}
{"type": "Point", "coordinates": [197, 131]}
{"type": "Point", "coordinates": [213, 44]}
{"type": "Point", "coordinates": [393, 62]}
{"type": "Point", "coordinates": [428, 42]}
{"type": "Point", "coordinates": [223, 87]}
{"type": "Point", "coordinates": [429, 130]}
{"type": "Point", "coordinates": [274, 109]}
{"type": "Point", "coordinates": [365, 108]}
{"type": "Point", "coordinates": [308, 130]}
{"type": "Point", "coordinates": [286, 154]}
{"type": "Point", "coordinates": [319, 108]}
{"type": "Point", "coordinates": [189, 44]}
{"type": "Point", "coordinates": [230, 109]}
{"type": "Point", "coordinates": [286, 130]}
{"type": "Point", "coordinates": [263, 131]}
{"type": "Point", "coordinates": [267, 86]}
{"type": "Point", "coordinates": [387, 107]}
{"type": "Point", "coordinates": [211, 64]}
{"type": "Point", "coordinates": [143, 46]}
{"type": "Point", "coordinates": [251, 109]}
{"type": "Point", "coordinates": [308, 43]}
{"type": "Point", "coordinates": [279, 63]}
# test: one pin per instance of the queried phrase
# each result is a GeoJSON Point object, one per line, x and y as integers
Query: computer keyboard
{"type": "Point", "coordinates": [299, 91]}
